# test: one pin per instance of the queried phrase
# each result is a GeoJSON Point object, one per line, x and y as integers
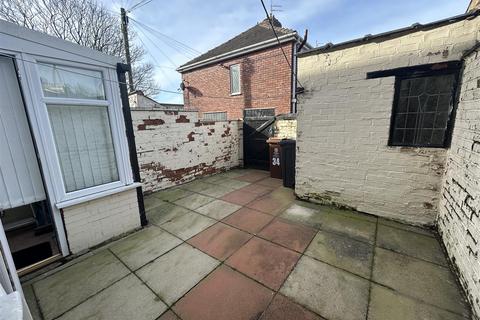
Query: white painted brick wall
{"type": "Point", "coordinates": [458, 220]}
{"type": "Point", "coordinates": [344, 121]}
{"type": "Point", "coordinates": [91, 223]}
{"type": "Point", "coordinates": [171, 152]}
{"type": "Point", "coordinates": [286, 128]}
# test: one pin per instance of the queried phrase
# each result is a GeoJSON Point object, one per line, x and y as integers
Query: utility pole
{"type": "Point", "coordinates": [124, 19]}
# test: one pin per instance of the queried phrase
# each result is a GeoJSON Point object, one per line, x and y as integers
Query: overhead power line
{"type": "Point", "coordinates": [278, 40]}
{"type": "Point", "coordinates": [139, 4]}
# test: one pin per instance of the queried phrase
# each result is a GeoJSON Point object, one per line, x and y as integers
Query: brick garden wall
{"type": "Point", "coordinates": [344, 120]}
{"type": "Point", "coordinates": [265, 83]}
{"type": "Point", "coordinates": [173, 147]}
{"type": "Point", "coordinates": [459, 220]}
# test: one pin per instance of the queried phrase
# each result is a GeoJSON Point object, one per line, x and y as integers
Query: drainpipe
{"type": "Point", "coordinates": [127, 116]}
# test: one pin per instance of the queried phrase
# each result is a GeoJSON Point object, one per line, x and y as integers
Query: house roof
{"type": "Point", "coordinates": [329, 47]}
{"type": "Point", "coordinates": [260, 33]}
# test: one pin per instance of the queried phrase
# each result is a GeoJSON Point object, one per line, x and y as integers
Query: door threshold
{"type": "Point", "coordinates": [38, 265]}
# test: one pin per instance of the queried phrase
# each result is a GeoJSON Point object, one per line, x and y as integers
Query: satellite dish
{"type": "Point", "coordinates": [182, 86]}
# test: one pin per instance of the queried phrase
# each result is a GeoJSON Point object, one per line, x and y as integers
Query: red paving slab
{"type": "Point", "coordinates": [264, 261]}
{"type": "Point", "coordinates": [248, 220]}
{"type": "Point", "coordinates": [254, 176]}
{"type": "Point", "coordinates": [220, 240]}
{"type": "Point", "coordinates": [282, 308]}
{"type": "Point", "coordinates": [292, 236]}
{"type": "Point", "coordinates": [257, 189]}
{"type": "Point", "coordinates": [169, 315]}
{"type": "Point", "coordinates": [240, 197]}
{"type": "Point", "coordinates": [271, 182]}
{"type": "Point", "coordinates": [224, 295]}
{"type": "Point", "coordinates": [268, 204]}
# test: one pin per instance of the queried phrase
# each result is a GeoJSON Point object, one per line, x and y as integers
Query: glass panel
{"type": "Point", "coordinates": [84, 145]}
{"type": "Point", "coordinates": [235, 79]}
{"type": "Point", "coordinates": [423, 108]}
{"type": "Point", "coordinates": [68, 82]}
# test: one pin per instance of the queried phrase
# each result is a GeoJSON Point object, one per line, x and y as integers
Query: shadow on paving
{"type": "Point", "coordinates": [238, 245]}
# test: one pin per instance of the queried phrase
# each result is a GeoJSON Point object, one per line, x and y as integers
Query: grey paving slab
{"type": "Point", "coordinates": [236, 173]}
{"type": "Point", "coordinates": [150, 202]}
{"type": "Point", "coordinates": [127, 299]}
{"type": "Point", "coordinates": [164, 213]}
{"type": "Point", "coordinates": [343, 252]}
{"type": "Point", "coordinates": [197, 185]}
{"type": "Point", "coordinates": [418, 279]}
{"type": "Point", "coordinates": [349, 213]}
{"type": "Point", "coordinates": [172, 194]}
{"type": "Point", "coordinates": [176, 272]}
{"type": "Point", "coordinates": [403, 226]}
{"type": "Point", "coordinates": [233, 184]}
{"type": "Point", "coordinates": [194, 201]}
{"type": "Point", "coordinates": [218, 209]}
{"type": "Point", "coordinates": [355, 228]}
{"type": "Point", "coordinates": [214, 179]}
{"type": "Point", "coordinates": [144, 246]}
{"type": "Point", "coordinates": [386, 304]}
{"type": "Point", "coordinates": [303, 214]}
{"type": "Point", "coordinates": [69, 287]}
{"type": "Point", "coordinates": [216, 191]}
{"type": "Point", "coordinates": [32, 302]}
{"type": "Point", "coordinates": [411, 243]}
{"type": "Point", "coordinates": [187, 225]}
{"type": "Point", "coordinates": [330, 292]}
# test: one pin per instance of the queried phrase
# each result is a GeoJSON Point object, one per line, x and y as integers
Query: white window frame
{"type": "Point", "coordinates": [117, 127]}
{"type": "Point", "coordinates": [237, 65]}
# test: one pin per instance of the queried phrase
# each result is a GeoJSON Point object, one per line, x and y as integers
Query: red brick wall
{"type": "Point", "coordinates": [265, 80]}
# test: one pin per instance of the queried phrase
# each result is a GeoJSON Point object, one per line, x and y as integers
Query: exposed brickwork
{"type": "Point", "coordinates": [182, 148]}
{"type": "Point", "coordinates": [344, 120]}
{"type": "Point", "coordinates": [266, 82]}
{"type": "Point", "coordinates": [459, 220]}
{"type": "Point", "coordinates": [91, 223]}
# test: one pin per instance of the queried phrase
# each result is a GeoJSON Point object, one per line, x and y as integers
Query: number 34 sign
{"type": "Point", "coordinates": [276, 157]}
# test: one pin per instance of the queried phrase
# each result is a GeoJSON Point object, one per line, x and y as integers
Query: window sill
{"type": "Point", "coordinates": [235, 94]}
{"type": "Point", "coordinates": [69, 203]}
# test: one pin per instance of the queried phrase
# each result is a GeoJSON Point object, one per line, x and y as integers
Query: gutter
{"type": "Point", "coordinates": [239, 52]}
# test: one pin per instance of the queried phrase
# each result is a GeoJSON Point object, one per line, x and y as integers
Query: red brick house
{"type": "Point", "coordinates": [248, 71]}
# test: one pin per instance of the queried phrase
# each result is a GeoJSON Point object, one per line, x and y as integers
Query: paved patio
{"type": "Point", "coordinates": [238, 245]}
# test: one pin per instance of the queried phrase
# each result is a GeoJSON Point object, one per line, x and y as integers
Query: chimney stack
{"type": "Point", "coordinates": [474, 5]}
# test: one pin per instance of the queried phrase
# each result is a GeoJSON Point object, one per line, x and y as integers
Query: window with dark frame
{"type": "Point", "coordinates": [422, 110]}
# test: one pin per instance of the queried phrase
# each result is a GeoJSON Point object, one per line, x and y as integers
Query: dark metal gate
{"type": "Point", "coordinates": [257, 128]}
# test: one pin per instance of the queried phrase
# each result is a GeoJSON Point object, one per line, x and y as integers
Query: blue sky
{"type": "Point", "coordinates": [204, 24]}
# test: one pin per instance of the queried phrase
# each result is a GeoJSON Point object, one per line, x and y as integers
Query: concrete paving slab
{"type": "Point", "coordinates": [248, 220]}
{"type": "Point", "coordinates": [164, 213]}
{"type": "Point", "coordinates": [271, 182]}
{"type": "Point", "coordinates": [235, 173]}
{"type": "Point", "coordinates": [150, 202]}
{"type": "Point", "coordinates": [240, 197]}
{"type": "Point", "coordinates": [270, 203]}
{"type": "Point", "coordinates": [69, 287]}
{"type": "Point", "coordinates": [407, 227]}
{"type": "Point", "coordinates": [328, 291]}
{"type": "Point", "coordinates": [187, 225]}
{"type": "Point", "coordinates": [220, 240]}
{"type": "Point", "coordinates": [257, 189]}
{"type": "Point", "coordinates": [214, 178]}
{"type": "Point", "coordinates": [348, 213]}
{"type": "Point", "coordinates": [176, 272]}
{"type": "Point", "coordinates": [218, 209]}
{"type": "Point", "coordinates": [419, 279]}
{"type": "Point", "coordinates": [354, 228]}
{"type": "Point", "coordinates": [144, 246]}
{"type": "Point", "coordinates": [282, 308]}
{"type": "Point", "coordinates": [342, 252]}
{"type": "Point", "coordinates": [172, 194]}
{"type": "Point", "coordinates": [216, 191]}
{"type": "Point", "coordinates": [196, 186]}
{"type": "Point", "coordinates": [127, 299]}
{"type": "Point", "coordinates": [233, 184]}
{"type": "Point", "coordinates": [302, 214]}
{"type": "Point", "coordinates": [411, 243]}
{"type": "Point", "coordinates": [386, 304]}
{"type": "Point", "coordinates": [194, 201]}
{"type": "Point", "coordinates": [293, 236]}
{"type": "Point", "coordinates": [224, 295]}
{"type": "Point", "coordinates": [32, 302]}
{"type": "Point", "coordinates": [264, 261]}
{"type": "Point", "coordinates": [169, 315]}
